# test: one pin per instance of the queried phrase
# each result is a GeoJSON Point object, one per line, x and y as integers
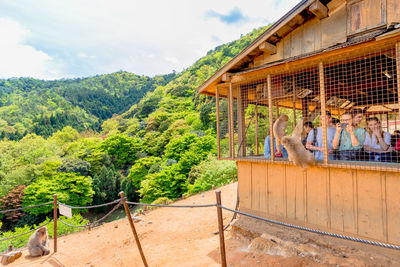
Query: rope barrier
{"type": "Point", "coordinates": [172, 206]}
{"type": "Point", "coordinates": [90, 207]}
{"type": "Point", "coordinates": [24, 208]}
{"type": "Point", "coordinates": [7, 238]}
{"type": "Point", "coordinates": [95, 222]}
{"type": "Point", "coordinates": [314, 231]}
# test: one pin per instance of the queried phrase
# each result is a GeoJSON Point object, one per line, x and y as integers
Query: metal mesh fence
{"type": "Point", "coordinates": [358, 91]}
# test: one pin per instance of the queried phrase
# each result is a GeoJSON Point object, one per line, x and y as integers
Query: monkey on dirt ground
{"type": "Point", "coordinates": [297, 153]}
{"type": "Point", "coordinates": [38, 244]}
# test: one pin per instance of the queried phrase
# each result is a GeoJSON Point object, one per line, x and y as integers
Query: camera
{"type": "Point", "coordinates": [343, 125]}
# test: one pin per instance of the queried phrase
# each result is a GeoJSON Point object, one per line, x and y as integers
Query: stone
{"type": "Point", "coordinates": [10, 257]}
{"type": "Point", "coordinates": [115, 225]}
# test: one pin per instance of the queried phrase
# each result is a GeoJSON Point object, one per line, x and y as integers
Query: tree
{"type": "Point", "coordinates": [106, 185]}
{"type": "Point", "coordinates": [71, 189]}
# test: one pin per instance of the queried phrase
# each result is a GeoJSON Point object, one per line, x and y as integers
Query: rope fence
{"type": "Point", "coordinates": [123, 201]}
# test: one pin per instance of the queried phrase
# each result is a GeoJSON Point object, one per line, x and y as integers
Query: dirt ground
{"type": "Point", "coordinates": [184, 237]}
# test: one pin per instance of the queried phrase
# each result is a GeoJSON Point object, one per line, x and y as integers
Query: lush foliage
{"type": "Point", "coordinates": [61, 230]}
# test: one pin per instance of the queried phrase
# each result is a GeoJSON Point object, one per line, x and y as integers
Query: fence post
{"type": "Point", "coordinates": [221, 229]}
{"type": "Point", "coordinates": [55, 222]}
{"type": "Point", "coordinates": [128, 214]}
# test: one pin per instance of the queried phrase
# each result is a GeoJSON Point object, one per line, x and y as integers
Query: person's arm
{"type": "Point", "coordinates": [381, 141]}
{"type": "Point", "coordinates": [310, 140]}
{"type": "Point", "coordinates": [335, 141]}
{"type": "Point", "coordinates": [354, 141]}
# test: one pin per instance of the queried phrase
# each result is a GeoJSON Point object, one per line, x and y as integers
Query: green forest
{"type": "Point", "coordinates": [87, 139]}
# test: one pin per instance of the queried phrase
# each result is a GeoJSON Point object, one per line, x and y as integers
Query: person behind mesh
{"type": "Point", "coordinates": [307, 128]}
{"type": "Point", "coordinates": [267, 148]}
{"type": "Point", "coordinates": [377, 142]}
{"type": "Point", "coordinates": [349, 140]}
{"type": "Point", "coordinates": [315, 139]}
{"type": "Point", "coordinates": [358, 115]}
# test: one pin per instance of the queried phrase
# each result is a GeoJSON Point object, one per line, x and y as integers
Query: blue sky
{"type": "Point", "coordinates": [50, 39]}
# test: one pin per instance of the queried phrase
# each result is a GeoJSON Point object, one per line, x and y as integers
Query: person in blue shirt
{"type": "Point", "coordinates": [267, 148]}
{"type": "Point", "coordinates": [316, 144]}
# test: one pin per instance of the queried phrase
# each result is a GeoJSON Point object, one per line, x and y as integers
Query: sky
{"type": "Point", "coordinates": [49, 39]}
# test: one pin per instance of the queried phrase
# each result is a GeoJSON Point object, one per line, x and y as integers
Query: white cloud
{"type": "Point", "coordinates": [18, 59]}
{"type": "Point", "coordinates": [144, 37]}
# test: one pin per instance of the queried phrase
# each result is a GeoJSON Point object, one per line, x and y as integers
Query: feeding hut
{"type": "Point", "coordinates": [326, 55]}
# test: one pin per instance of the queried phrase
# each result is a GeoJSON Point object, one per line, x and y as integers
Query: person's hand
{"type": "Point", "coordinates": [338, 127]}
{"type": "Point", "coordinates": [330, 151]}
{"type": "Point", "coordinates": [349, 128]}
{"type": "Point", "coordinates": [377, 133]}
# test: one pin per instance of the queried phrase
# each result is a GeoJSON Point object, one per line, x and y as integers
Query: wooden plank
{"type": "Point", "coordinates": [317, 203]}
{"type": "Point", "coordinates": [393, 207]}
{"type": "Point", "coordinates": [333, 28]}
{"type": "Point", "coordinates": [323, 111]}
{"type": "Point", "coordinates": [256, 126]}
{"type": "Point", "coordinates": [276, 190]}
{"type": "Point", "coordinates": [287, 46]}
{"type": "Point", "coordinates": [296, 44]}
{"type": "Point", "coordinates": [241, 121]}
{"type": "Point", "coordinates": [393, 11]}
{"type": "Point", "coordinates": [370, 216]}
{"type": "Point", "coordinates": [245, 184]}
{"type": "Point", "coordinates": [218, 124]}
{"type": "Point", "coordinates": [309, 35]}
{"type": "Point", "coordinates": [343, 212]}
{"type": "Point", "coordinates": [271, 116]}
{"type": "Point", "coordinates": [259, 193]}
{"type": "Point", "coordinates": [397, 47]}
{"type": "Point", "coordinates": [295, 205]}
{"type": "Point", "coordinates": [230, 121]}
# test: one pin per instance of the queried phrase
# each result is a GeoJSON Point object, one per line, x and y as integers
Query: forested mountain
{"type": "Point", "coordinates": [43, 107]}
{"type": "Point", "coordinates": [163, 146]}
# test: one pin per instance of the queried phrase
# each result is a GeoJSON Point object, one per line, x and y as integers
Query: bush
{"type": "Point", "coordinates": [70, 188]}
{"type": "Point", "coordinates": [62, 229]}
{"type": "Point", "coordinates": [212, 172]}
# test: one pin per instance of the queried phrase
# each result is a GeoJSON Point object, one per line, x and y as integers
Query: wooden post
{"type": "Point", "coordinates": [128, 214]}
{"type": "Point", "coordinates": [241, 105]}
{"type": "Point", "coordinates": [217, 118]}
{"type": "Point", "coordinates": [55, 221]}
{"type": "Point", "coordinates": [271, 117]}
{"type": "Point", "coordinates": [256, 126]}
{"type": "Point", "coordinates": [323, 111]}
{"type": "Point", "coordinates": [398, 71]}
{"type": "Point", "coordinates": [221, 229]}
{"type": "Point", "coordinates": [230, 121]}
{"type": "Point", "coordinates": [294, 102]}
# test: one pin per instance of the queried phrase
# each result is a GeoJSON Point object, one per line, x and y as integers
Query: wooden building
{"type": "Point", "coordinates": [323, 55]}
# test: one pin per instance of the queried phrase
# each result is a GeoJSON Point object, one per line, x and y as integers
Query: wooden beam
{"type": "Point", "coordinates": [294, 100]}
{"type": "Point", "coordinates": [323, 111]}
{"type": "Point", "coordinates": [398, 70]}
{"type": "Point", "coordinates": [226, 77]}
{"type": "Point", "coordinates": [230, 121]}
{"type": "Point", "coordinates": [268, 48]}
{"type": "Point", "coordinates": [256, 124]}
{"type": "Point", "coordinates": [241, 98]}
{"type": "Point", "coordinates": [218, 126]}
{"type": "Point", "coordinates": [271, 117]}
{"type": "Point", "coordinates": [319, 9]}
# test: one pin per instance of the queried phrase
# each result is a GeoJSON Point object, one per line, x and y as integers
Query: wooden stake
{"type": "Point", "coordinates": [271, 117]}
{"type": "Point", "coordinates": [398, 71]}
{"type": "Point", "coordinates": [323, 111]}
{"type": "Point", "coordinates": [230, 121]}
{"type": "Point", "coordinates": [55, 222]}
{"type": "Point", "coordinates": [221, 229]}
{"type": "Point", "coordinates": [218, 129]}
{"type": "Point", "coordinates": [128, 214]}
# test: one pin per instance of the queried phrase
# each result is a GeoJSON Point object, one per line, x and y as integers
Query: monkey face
{"type": "Point", "coordinates": [43, 231]}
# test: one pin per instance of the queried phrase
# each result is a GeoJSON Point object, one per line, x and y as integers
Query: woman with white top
{"type": "Point", "coordinates": [377, 142]}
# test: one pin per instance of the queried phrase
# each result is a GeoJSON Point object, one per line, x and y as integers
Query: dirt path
{"type": "Point", "coordinates": [169, 236]}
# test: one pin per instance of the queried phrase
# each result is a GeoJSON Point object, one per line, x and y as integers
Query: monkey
{"type": "Point", "coordinates": [38, 244]}
{"type": "Point", "coordinates": [279, 128]}
{"type": "Point", "coordinates": [297, 153]}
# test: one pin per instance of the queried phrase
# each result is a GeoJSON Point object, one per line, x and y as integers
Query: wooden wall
{"type": "Point", "coordinates": [345, 18]}
{"type": "Point", "coordinates": [356, 202]}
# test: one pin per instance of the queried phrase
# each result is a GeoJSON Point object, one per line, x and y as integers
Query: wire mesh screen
{"type": "Point", "coordinates": [360, 97]}
{"type": "Point", "coordinates": [223, 127]}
